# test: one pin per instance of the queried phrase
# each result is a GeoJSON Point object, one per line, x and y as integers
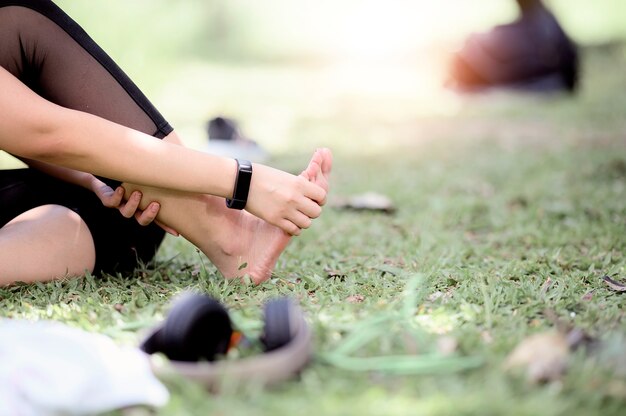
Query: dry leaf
{"type": "Point", "coordinates": [546, 285]}
{"type": "Point", "coordinates": [613, 284]}
{"type": "Point", "coordinates": [355, 298]}
{"type": "Point", "coordinates": [434, 296]}
{"type": "Point", "coordinates": [542, 356]}
{"type": "Point", "coordinates": [369, 201]}
{"type": "Point", "coordinates": [333, 273]}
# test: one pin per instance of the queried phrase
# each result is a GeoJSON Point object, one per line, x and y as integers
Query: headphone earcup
{"type": "Point", "coordinates": [197, 328]}
{"type": "Point", "coordinates": [278, 322]}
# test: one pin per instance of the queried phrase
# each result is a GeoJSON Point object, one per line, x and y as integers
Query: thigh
{"type": "Point", "coordinates": [120, 243]}
{"type": "Point", "coordinates": [50, 53]}
{"type": "Point", "coordinates": [34, 246]}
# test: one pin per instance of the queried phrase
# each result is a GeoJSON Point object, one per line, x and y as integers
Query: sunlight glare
{"type": "Point", "coordinates": [399, 49]}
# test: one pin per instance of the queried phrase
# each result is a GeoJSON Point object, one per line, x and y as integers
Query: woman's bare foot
{"type": "Point", "coordinates": [251, 246]}
{"type": "Point", "coordinates": [237, 242]}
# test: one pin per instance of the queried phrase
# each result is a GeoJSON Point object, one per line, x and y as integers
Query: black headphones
{"type": "Point", "coordinates": [198, 331]}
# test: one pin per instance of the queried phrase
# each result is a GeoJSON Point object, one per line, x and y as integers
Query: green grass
{"type": "Point", "coordinates": [494, 199]}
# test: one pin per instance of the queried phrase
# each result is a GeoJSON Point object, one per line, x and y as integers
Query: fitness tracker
{"type": "Point", "coordinates": [242, 185]}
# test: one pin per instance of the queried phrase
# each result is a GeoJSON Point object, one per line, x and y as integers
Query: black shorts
{"type": "Point", "coordinates": [54, 57]}
{"type": "Point", "coordinates": [120, 243]}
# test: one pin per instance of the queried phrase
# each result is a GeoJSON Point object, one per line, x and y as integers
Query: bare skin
{"type": "Point", "coordinates": [229, 238]}
{"type": "Point", "coordinates": [109, 197]}
{"type": "Point", "coordinates": [34, 128]}
{"type": "Point", "coordinates": [192, 184]}
{"type": "Point", "coordinates": [35, 235]}
{"type": "Point", "coordinates": [237, 242]}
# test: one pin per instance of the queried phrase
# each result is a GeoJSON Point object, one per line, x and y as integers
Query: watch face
{"type": "Point", "coordinates": [245, 165]}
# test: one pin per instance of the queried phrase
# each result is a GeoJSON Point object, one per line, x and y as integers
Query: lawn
{"type": "Point", "coordinates": [511, 209]}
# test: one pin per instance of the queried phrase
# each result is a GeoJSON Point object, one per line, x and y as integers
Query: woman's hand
{"type": "Point", "coordinates": [287, 201]}
{"type": "Point", "coordinates": [115, 199]}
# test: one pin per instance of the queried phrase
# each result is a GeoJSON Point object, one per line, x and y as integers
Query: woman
{"type": "Point", "coordinates": [66, 109]}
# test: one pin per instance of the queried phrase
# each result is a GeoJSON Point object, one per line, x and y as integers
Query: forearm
{"type": "Point", "coordinates": [89, 143]}
{"type": "Point", "coordinates": [117, 152]}
{"type": "Point", "coordinates": [34, 128]}
{"type": "Point", "coordinates": [68, 175]}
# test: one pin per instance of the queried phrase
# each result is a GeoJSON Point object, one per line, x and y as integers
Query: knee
{"type": "Point", "coordinates": [67, 231]}
{"type": "Point", "coordinates": [58, 217]}
{"type": "Point", "coordinates": [44, 243]}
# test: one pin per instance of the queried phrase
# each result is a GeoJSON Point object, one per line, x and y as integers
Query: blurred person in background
{"type": "Point", "coordinates": [531, 53]}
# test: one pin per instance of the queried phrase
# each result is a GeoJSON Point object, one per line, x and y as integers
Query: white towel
{"type": "Point", "coordinates": [47, 368]}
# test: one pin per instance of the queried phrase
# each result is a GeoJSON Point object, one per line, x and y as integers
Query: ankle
{"type": "Point", "coordinates": [221, 232]}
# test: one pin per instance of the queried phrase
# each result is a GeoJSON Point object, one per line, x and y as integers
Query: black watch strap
{"type": "Point", "coordinates": [242, 185]}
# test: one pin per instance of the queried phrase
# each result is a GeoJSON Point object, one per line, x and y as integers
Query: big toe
{"type": "Point", "coordinates": [327, 160]}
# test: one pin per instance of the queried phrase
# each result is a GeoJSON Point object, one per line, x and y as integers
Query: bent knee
{"type": "Point", "coordinates": [60, 236]}
{"type": "Point", "coordinates": [75, 239]}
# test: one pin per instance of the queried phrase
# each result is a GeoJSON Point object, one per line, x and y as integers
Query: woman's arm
{"type": "Point", "coordinates": [35, 128]}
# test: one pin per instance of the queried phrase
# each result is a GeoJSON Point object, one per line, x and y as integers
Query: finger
{"type": "Point", "coordinates": [167, 229]}
{"type": "Point", "coordinates": [314, 173]}
{"type": "Point", "coordinates": [301, 220]}
{"type": "Point", "coordinates": [311, 189]}
{"type": "Point", "coordinates": [310, 208]}
{"type": "Point", "coordinates": [313, 166]}
{"type": "Point", "coordinates": [112, 199]}
{"type": "Point", "coordinates": [148, 215]}
{"type": "Point", "coordinates": [315, 192]}
{"type": "Point", "coordinates": [130, 207]}
{"type": "Point", "coordinates": [289, 227]}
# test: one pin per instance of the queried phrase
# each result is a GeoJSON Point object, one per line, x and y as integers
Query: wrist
{"type": "Point", "coordinates": [243, 178]}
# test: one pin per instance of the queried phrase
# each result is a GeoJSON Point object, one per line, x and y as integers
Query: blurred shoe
{"type": "Point", "coordinates": [225, 139]}
{"type": "Point", "coordinates": [221, 128]}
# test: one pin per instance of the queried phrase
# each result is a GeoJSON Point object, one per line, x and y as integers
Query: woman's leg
{"type": "Point", "coordinates": [119, 243]}
{"type": "Point", "coordinates": [45, 243]}
{"type": "Point", "coordinates": [238, 243]}
{"type": "Point", "coordinates": [52, 55]}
